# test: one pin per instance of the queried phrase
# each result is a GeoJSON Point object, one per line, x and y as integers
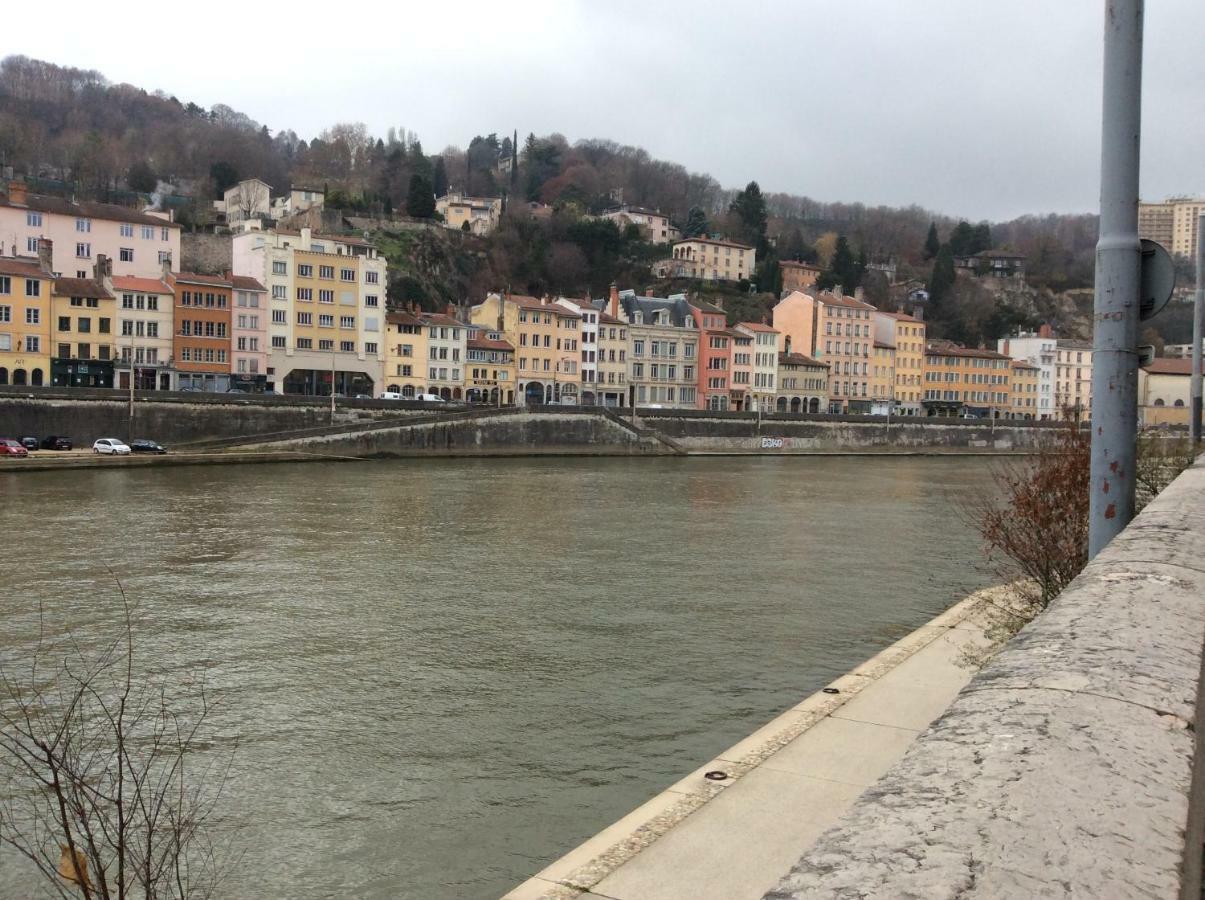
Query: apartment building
{"type": "Point", "coordinates": [763, 382]}
{"type": "Point", "coordinates": [145, 332]}
{"type": "Point", "coordinates": [446, 352]}
{"type": "Point", "coordinates": [740, 393]}
{"type": "Point", "coordinates": [479, 215]}
{"type": "Point", "coordinates": [325, 308]}
{"type": "Point", "coordinates": [712, 259]}
{"type": "Point", "coordinates": [611, 385]}
{"type": "Point", "coordinates": [798, 276]}
{"type": "Point", "coordinates": [489, 367]}
{"type": "Point", "coordinates": [201, 344]}
{"type": "Point", "coordinates": [802, 383]}
{"type": "Point", "coordinates": [135, 243]}
{"type": "Point", "coordinates": [906, 335]}
{"type": "Point", "coordinates": [1038, 348]}
{"type": "Point", "coordinates": [588, 341]}
{"type": "Point", "coordinates": [715, 389]}
{"type": "Point", "coordinates": [836, 329]}
{"type": "Point", "coordinates": [1073, 380]}
{"type": "Point", "coordinates": [1172, 223]}
{"type": "Point", "coordinates": [546, 337]}
{"type": "Point", "coordinates": [26, 287]}
{"type": "Point", "coordinates": [963, 382]}
{"type": "Point", "coordinates": [882, 378]}
{"type": "Point", "coordinates": [249, 334]}
{"type": "Point", "coordinates": [1023, 386]}
{"type": "Point", "coordinates": [405, 355]}
{"type": "Point", "coordinates": [663, 348]}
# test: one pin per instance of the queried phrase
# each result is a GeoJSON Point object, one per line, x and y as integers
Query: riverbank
{"type": "Point", "coordinates": [732, 827]}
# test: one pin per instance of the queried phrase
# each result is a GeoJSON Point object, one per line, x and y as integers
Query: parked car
{"type": "Point", "coordinates": [236, 391]}
{"type": "Point", "coordinates": [56, 442]}
{"type": "Point", "coordinates": [29, 443]}
{"type": "Point", "coordinates": [143, 445]}
{"type": "Point", "coordinates": [110, 445]}
{"type": "Point", "coordinates": [430, 398]}
{"type": "Point", "coordinates": [9, 447]}
{"type": "Point", "coordinates": [192, 390]}
{"type": "Point", "coordinates": [363, 397]}
{"type": "Point", "coordinates": [390, 395]}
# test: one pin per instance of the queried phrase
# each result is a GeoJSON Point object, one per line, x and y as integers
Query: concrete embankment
{"type": "Point", "coordinates": [1070, 766]}
{"type": "Point", "coordinates": [729, 829]}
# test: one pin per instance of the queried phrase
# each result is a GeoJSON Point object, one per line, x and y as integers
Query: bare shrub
{"type": "Point", "coordinates": [102, 787]}
{"type": "Point", "coordinates": [1161, 457]}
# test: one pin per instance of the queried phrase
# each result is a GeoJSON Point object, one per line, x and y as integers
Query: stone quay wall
{"type": "Point", "coordinates": [1070, 765]}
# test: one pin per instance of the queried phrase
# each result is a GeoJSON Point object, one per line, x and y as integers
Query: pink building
{"type": "Point", "coordinates": [715, 356]}
{"type": "Point", "coordinates": [137, 243]}
{"type": "Point", "coordinates": [249, 334]}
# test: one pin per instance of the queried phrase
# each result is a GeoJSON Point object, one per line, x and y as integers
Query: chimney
{"type": "Point", "coordinates": [103, 272]}
{"type": "Point", "coordinates": [450, 311]}
{"type": "Point", "coordinates": [786, 343]}
{"type": "Point", "coordinates": [858, 293]}
{"type": "Point", "coordinates": [167, 267]}
{"type": "Point", "coordinates": [17, 193]}
{"type": "Point", "coordinates": [1005, 350]}
{"type": "Point", "coordinates": [1045, 331]}
{"type": "Point", "coordinates": [46, 255]}
{"type": "Point", "coordinates": [648, 292]}
{"type": "Point", "coordinates": [613, 301]}
{"type": "Point", "coordinates": [305, 237]}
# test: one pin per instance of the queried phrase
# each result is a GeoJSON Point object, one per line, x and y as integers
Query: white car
{"type": "Point", "coordinates": [430, 398]}
{"type": "Point", "coordinates": [109, 445]}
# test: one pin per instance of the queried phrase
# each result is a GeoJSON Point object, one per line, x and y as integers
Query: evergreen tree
{"type": "Point", "coordinates": [941, 280]}
{"type": "Point", "coordinates": [420, 199]}
{"type": "Point", "coordinates": [859, 270]}
{"type": "Point", "coordinates": [750, 208]}
{"type": "Point", "coordinates": [696, 223]}
{"type": "Point", "coordinates": [514, 160]}
{"type": "Point", "coordinates": [981, 238]}
{"type": "Point", "coordinates": [793, 247]}
{"type": "Point", "coordinates": [962, 239]}
{"type": "Point", "coordinates": [439, 178]}
{"type": "Point", "coordinates": [844, 268]}
{"type": "Point", "coordinates": [224, 176]}
{"type": "Point", "coordinates": [932, 244]}
{"type": "Point", "coordinates": [141, 177]}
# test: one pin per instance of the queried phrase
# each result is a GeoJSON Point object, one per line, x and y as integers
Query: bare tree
{"type": "Point", "coordinates": [103, 785]}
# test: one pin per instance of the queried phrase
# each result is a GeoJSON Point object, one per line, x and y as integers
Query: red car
{"type": "Point", "coordinates": [9, 447]}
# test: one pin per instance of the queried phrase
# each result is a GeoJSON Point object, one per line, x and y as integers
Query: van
{"type": "Point", "coordinates": [430, 398]}
{"type": "Point", "coordinates": [391, 395]}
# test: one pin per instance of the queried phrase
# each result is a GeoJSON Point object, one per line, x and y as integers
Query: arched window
{"type": "Point", "coordinates": [1178, 403]}
{"type": "Point", "coordinates": [1158, 401]}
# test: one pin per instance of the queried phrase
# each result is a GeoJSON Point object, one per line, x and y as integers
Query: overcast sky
{"type": "Point", "coordinates": [969, 107]}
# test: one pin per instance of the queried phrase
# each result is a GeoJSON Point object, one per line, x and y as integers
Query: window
{"type": "Point", "coordinates": [83, 225]}
{"type": "Point", "coordinates": [305, 318]}
{"type": "Point", "coordinates": [370, 300]}
{"type": "Point", "coordinates": [347, 346]}
{"type": "Point", "coordinates": [347, 274]}
{"type": "Point", "coordinates": [85, 351]}
{"type": "Point", "coordinates": [371, 278]}
{"type": "Point", "coordinates": [325, 321]}
{"type": "Point", "coordinates": [152, 329]}
{"type": "Point", "coordinates": [279, 292]}
{"type": "Point", "coordinates": [33, 316]}
{"type": "Point", "coordinates": [326, 344]}
{"type": "Point", "coordinates": [279, 268]}
{"type": "Point", "coordinates": [164, 234]}
{"type": "Point", "coordinates": [33, 219]}
{"type": "Point", "coordinates": [278, 342]}
{"type": "Point", "coordinates": [31, 245]}
{"type": "Point", "coordinates": [148, 233]}
{"type": "Point", "coordinates": [305, 293]}
{"type": "Point", "coordinates": [370, 347]}
{"type": "Point", "coordinates": [347, 321]}
{"type": "Point", "coordinates": [305, 270]}
{"type": "Point", "coordinates": [33, 344]}
{"type": "Point", "coordinates": [83, 250]}
{"type": "Point", "coordinates": [326, 271]}
{"type": "Point", "coordinates": [126, 254]}
{"type": "Point", "coordinates": [33, 287]}
{"type": "Point", "coordinates": [84, 326]}
{"type": "Point", "coordinates": [6, 314]}
{"type": "Point", "coordinates": [279, 317]}
{"type": "Point", "coordinates": [326, 296]}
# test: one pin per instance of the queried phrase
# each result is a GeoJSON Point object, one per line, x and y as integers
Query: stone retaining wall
{"type": "Point", "coordinates": [1069, 766]}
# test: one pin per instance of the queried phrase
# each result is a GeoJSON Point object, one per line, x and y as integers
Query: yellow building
{"type": "Point", "coordinates": [1172, 223]}
{"type": "Point", "coordinates": [490, 368]}
{"type": "Point", "coordinates": [882, 378]}
{"type": "Point", "coordinates": [964, 382]}
{"type": "Point", "coordinates": [802, 383]}
{"type": "Point", "coordinates": [907, 335]}
{"type": "Point", "coordinates": [546, 339]}
{"type": "Point", "coordinates": [1023, 388]}
{"type": "Point", "coordinates": [712, 260]}
{"type": "Point", "coordinates": [612, 363]}
{"type": "Point", "coordinates": [25, 319]}
{"type": "Point", "coordinates": [1164, 389]}
{"type": "Point", "coordinates": [479, 215]}
{"type": "Point", "coordinates": [83, 342]}
{"type": "Point", "coordinates": [1073, 380]}
{"type": "Point", "coordinates": [405, 355]}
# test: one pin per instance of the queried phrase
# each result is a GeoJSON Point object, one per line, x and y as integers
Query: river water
{"type": "Point", "coordinates": [445, 673]}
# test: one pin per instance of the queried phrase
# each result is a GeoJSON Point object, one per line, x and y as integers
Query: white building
{"type": "Point", "coordinates": [589, 348]}
{"type": "Point", "coordinates": [447, 341]}
{"type": "Point", "coordinates": [1038, 349]}
{"type": "Point", "coordinates": [249, 333]}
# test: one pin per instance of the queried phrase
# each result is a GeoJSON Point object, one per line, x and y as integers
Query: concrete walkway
{"type": "Point", "coordinates": [734, 835]}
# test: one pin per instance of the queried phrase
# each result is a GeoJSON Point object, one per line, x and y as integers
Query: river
{"type": "Point", "coordinates": [445, 673]}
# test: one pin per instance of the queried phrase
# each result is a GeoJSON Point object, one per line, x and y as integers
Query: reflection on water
{"type": "Point", "coordinates": [445, 673]}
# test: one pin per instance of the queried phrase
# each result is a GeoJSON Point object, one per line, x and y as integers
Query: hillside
{"type": "Point", "coordinates": [71, 131]}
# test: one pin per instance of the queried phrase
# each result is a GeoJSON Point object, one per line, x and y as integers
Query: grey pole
{"type": "Point", "coordinates": [1118, 262]}
{"type": "Point", "coordinates": [1198, 311]}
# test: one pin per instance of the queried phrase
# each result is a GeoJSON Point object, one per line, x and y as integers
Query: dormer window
{"type": "Point", "coordinates": [690, 321]}
{"type": "Point", "coordinates": [638, 318]}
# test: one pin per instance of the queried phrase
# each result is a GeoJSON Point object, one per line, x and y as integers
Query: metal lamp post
{"type": "Point", "coordinates": [1198, 311]}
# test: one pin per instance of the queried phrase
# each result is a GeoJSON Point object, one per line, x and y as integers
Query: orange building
{"type": "Point", "coordinates": [964, 382]}
{"type": "Point", "coordinates": [798, 275]}
{"type": "Point", "coordinates": [201, 334]}
{"type": "Point", "coordinates": [834, 329]}
{"type": "Point", "coordinates": [1024, 390]}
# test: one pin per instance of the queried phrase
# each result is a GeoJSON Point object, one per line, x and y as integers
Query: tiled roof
{"type": "Point", "coordinates": [605, 318]}
{"type": "Point", "coordinates": [899, 317]}
{"type": "Point", "coordinates": [964, 352]}
{"type": "Point", "coordinates": [87, 210]}
{"type": "Point", "coordinates": [246, 283]}
{"type": "Point", "coordinates": [796, 264]}
{"type": "Point", "coordinates": [198, 278]}
{"type": "Point", "coordinates": [706, 307]}
{"type": "Point", "coordinates": [799, 359]}
{"type": "Point", "coordinates": [442, 320]}
{"type": "Point", "coordinates": [880, 345]}
{"type": "Point", "coordinates": [79, 287]}
{"type": "Point", "coordinates": [402, 318]}
{"type": "Point", "coordinates": [479, 343]}
{"type": "Point", "coordinates": [145, 285]}
{"type": "Point", "coordinates": [757, 326]}
{"type": "Point", "coordinates": [1070, 344]}
{"type": "Point", "coordinates": [342, 239]}
{"type": "Point", "coordinates": [717, 241]}
{"type": "Point", "coordinates": [1022, 364]}
{"type": "Point", "coordinates": [842, 300]}
{"type": "Point", "coordinates": [525, 301]}
{"type": "Point", "coordinates": [26, 267]}
{"type": "Point", "coordinates": [1169, 367]}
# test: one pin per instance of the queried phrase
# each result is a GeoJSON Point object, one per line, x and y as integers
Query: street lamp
{"type": "Point", "coordinates": [332, 382]}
